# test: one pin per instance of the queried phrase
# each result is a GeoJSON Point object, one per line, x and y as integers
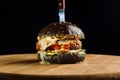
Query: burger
{"type": "Point", "coordinates": [60, 43]}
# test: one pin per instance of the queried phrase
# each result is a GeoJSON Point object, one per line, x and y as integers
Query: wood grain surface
{"type": "Point", "coordinates": [26, 66]}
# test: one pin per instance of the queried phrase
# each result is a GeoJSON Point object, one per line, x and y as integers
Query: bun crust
{"type": "Point", "coordinates": [62, 29]}
{"type": "Point", "coordinates": [63, 58]}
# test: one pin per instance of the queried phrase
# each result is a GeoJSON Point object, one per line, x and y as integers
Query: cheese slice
{"type": "Point", "coordinates": [46, 41]}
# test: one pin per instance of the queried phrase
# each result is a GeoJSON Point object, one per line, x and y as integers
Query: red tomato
{"type": "Point", "coordinates": [66, 46]}
{"type": "Point", "coordinates": [56, 47]}
{"type": "Point", "coordinates": [37, 46]}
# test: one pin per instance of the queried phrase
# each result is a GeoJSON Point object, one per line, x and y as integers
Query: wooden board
{"type": "Point", "coordinates": [26, 66]}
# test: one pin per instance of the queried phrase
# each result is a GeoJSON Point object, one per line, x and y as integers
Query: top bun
{"type": "Point", "coordinates": [62, 29]}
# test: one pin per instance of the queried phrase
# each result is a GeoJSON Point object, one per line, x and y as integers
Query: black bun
{"type": "Point", "coordinates": [63, 58]}
{"type": "Point", "coordinates": [61, 29]}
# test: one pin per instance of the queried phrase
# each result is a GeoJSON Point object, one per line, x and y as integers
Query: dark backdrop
{"type": "Point", "coordinates": [20, 22]}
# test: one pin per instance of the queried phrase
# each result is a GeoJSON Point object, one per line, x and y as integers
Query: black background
{"type": "Point", "coordinates": [20, 22]}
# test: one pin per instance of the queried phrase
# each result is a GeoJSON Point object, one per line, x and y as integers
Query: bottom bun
{"type": "Point", "coordinates": [62, 58]}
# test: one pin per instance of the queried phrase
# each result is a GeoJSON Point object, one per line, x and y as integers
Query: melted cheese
{"type": "Point", "coordinates": [65, 41]}
{"type": "Point", "coordinates": [46, 41]}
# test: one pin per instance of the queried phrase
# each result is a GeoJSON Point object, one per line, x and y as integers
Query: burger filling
{"type": "Point", "coordinates": [52, 45]}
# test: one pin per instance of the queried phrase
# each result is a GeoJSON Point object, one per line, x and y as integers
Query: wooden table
{"type": "Point", "coordinates": [27, 67]}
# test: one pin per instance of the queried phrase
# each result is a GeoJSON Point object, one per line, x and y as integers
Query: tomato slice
{"type": "Point", "coordinates": [37, 46]}
{"type": "Point", "coordinates": [56, 47]}
{"type": "Point", "coordinates": [66, 46]}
